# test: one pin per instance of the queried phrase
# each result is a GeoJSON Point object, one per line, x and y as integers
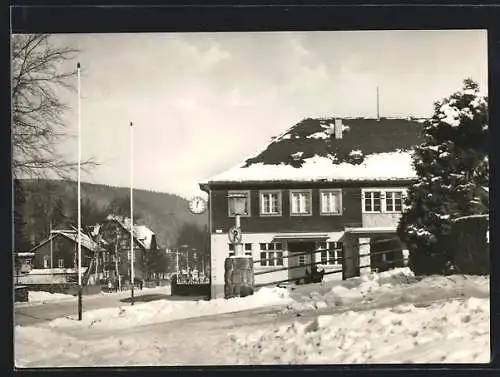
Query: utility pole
{"type": "Point", "coordinates": [117, 261]}
{"type": "Point", "coordinates": [378, 106]}
{"type": "Point", "coordinates": [177, 263]}
{"type": "Point", "coordinates": [51, 249]}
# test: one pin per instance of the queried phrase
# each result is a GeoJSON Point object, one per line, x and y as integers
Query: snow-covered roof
{"type": "Point", "coordinates": [369, 149]}
{"type": "Point", "coordinates": [142, 234]}
{"type": "Point", "coordinates": [87, 242]}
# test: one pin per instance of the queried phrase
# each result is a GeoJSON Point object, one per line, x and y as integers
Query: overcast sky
{"type": "Point", "coordinates": [201, 103]}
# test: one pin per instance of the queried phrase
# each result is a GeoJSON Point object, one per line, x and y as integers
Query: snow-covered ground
{"type": "Point", "coordinates": [165, 310]}
{"type": "Point", "coordinates": [389, 317]}
{"type": "Point", "coordinates": [41, 297]}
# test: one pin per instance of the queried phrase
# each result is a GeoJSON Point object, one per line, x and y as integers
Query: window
{"type": "Point", "coordinates": [386, 200]}
{"type": "Point", "coordinates": [45, 262]}
{"type": "Point", "coordinates": [302, 260]}
{"type": "Point", "coordinates": [60, 263]}
{"type": "Point", "coordinates": [270, 203]}
{"type": "Point", "coordinates": [300, 202]}
{"type": "Point", "coordinates": [248, 249]}
{"type": "Point", "coordinates": [372, 202]}
{"type": "Point", "coordinates": [331, 253]}
{"type": "Point", "coordinates": [331, 202]}
{"type": "Point", "coordinates": [270, 251]}
{"type": "Point", "coordinates": [230, 205]}
{"type": "Point", "coordinates": [393, 201]}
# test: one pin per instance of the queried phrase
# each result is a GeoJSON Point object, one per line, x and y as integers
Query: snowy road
{"type": "Point", "coordinates": [32, 313]}
{"type": "Point", "coordinates": [439, 319]}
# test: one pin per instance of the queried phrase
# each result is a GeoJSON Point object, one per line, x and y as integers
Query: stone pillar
{"type": "Point", "coordinates": [350, 258]}
{"type": "Point", "coordinates": [238, 276]}
{"type": "Point", "coordinates": [364, 248]}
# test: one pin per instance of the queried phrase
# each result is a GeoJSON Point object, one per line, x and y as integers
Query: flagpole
{"type": "Point", "coordinates": [132, 255]}
{"type": "Point", "coordinates": [79, 199]}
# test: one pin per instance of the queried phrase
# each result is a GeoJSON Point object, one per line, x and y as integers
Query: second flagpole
{"type": "Point", "coordinates": [79, 236]}
{"type": "Point", "coordinates": [132, 254]}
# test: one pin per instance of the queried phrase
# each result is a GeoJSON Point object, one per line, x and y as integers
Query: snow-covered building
{"type": "Point", "coordinates": [318, 183]}
{"type": "Point", "coordinates": [59, 250]}
{"type": "Point", "coordinates": [115, 233]}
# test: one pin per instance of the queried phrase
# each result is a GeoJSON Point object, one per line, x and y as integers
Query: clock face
{"type": "Point", "coordinates": [197, 205]}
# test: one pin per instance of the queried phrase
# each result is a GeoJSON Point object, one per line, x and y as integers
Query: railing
{"type": "Point", "coordinates": [342, 259]}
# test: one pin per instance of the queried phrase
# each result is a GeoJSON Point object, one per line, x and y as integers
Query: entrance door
{"type": "Point", "coordinates": [300, 260]}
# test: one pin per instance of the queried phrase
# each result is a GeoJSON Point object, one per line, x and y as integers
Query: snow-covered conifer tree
{"type": "Point", "coordinates": [452, 166]}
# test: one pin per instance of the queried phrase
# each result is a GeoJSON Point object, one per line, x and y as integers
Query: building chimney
{"type": "Point", "coordinates": [338, 128]}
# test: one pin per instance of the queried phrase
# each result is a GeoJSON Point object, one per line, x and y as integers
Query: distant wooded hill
{"type": "Point", "coordinates": [163, 213]}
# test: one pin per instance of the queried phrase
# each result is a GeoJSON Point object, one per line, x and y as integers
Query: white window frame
{"type": "Point", "coordinates": [372, 200]}
{"type": "Point", "coordinates": [383, 198]}
{"type": "Point", "coordinates": [322, 209]}
{"type": "Point", "coordinates": [301, 260]}
{"type": "Point", "coordinates": [59, 263]}
{"type": "Point", "coordinates": [46, 262]}
{"type": "Point", "coordinates": [249, 202]}
{"type": "Point", "coordinates": [271, 253]}
{"type": "Point", "coordinates": [333, 252]}
{"type": "Point", "coordinates": [306, 192]}
{"type": "Point", "coordinates": [261, 202]}
{"type": "Point", "coordinates": [391, 191]}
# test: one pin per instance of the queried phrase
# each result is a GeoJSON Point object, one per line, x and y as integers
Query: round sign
{"type": "Point", "coordinates": [234, 235]}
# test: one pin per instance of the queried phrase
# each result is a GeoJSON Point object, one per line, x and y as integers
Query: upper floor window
{"type": "Point", "coordinates": [230, 203]}
{"type": "Point", "coordinates": [372, 201]}
{"type": "Point", "coordinates": [60, 263]}
{"type": "Point", "coordinates": [270, 203]}
{"type": "Point", "coordinates": [331, 202]}
{"type": "Point", "coordinates": [300, 202]}
{"type": "Point", "coordinates": [384, 200]}
{"type": "Point", "coordinates": [393, 201]}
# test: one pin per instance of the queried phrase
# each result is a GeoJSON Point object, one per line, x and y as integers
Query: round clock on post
{"type": "Point", "coordinates": [197, 205]}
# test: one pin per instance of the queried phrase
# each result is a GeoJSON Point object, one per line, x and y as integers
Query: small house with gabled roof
{"type": "Point", "coordinates": [319, 184]}
{"type": "Point", "coordinates": [60, 249]}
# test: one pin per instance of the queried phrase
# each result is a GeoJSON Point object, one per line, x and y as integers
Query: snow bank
{"type": "Point", "coordinates": [40, 296]}
{"type": "Point", "coordinates": [355, 290]}
{"type": "Point", "coordinates": [452, 332]}
{"type": "Point", "coordinates": [390, 288]}
{"type": "Point", "coordinates": [166, 310]}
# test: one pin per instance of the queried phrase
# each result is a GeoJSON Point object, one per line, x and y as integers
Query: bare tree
{"type": "Point", "coordinates": [38, 76]}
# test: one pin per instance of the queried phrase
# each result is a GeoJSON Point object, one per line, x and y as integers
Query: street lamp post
{"type": "Point", "coordinates": [238, 270]}
{"type": "Point", "coordinates": [238, 204]}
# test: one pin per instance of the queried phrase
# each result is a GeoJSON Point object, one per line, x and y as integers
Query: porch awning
{"type": "Point", "coordinates": [386, 229]}
{"type": "Point", "coordinates": [334, 236]}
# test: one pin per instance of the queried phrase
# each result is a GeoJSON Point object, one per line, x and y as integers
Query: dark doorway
{"type": "Point", "coordinates": [300, 260]}
{"type": "Point", "coordinates": [391, 259]}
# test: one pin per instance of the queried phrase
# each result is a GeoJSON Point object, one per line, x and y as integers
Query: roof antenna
{"type": "Point", "coordinates": [378, 107]}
